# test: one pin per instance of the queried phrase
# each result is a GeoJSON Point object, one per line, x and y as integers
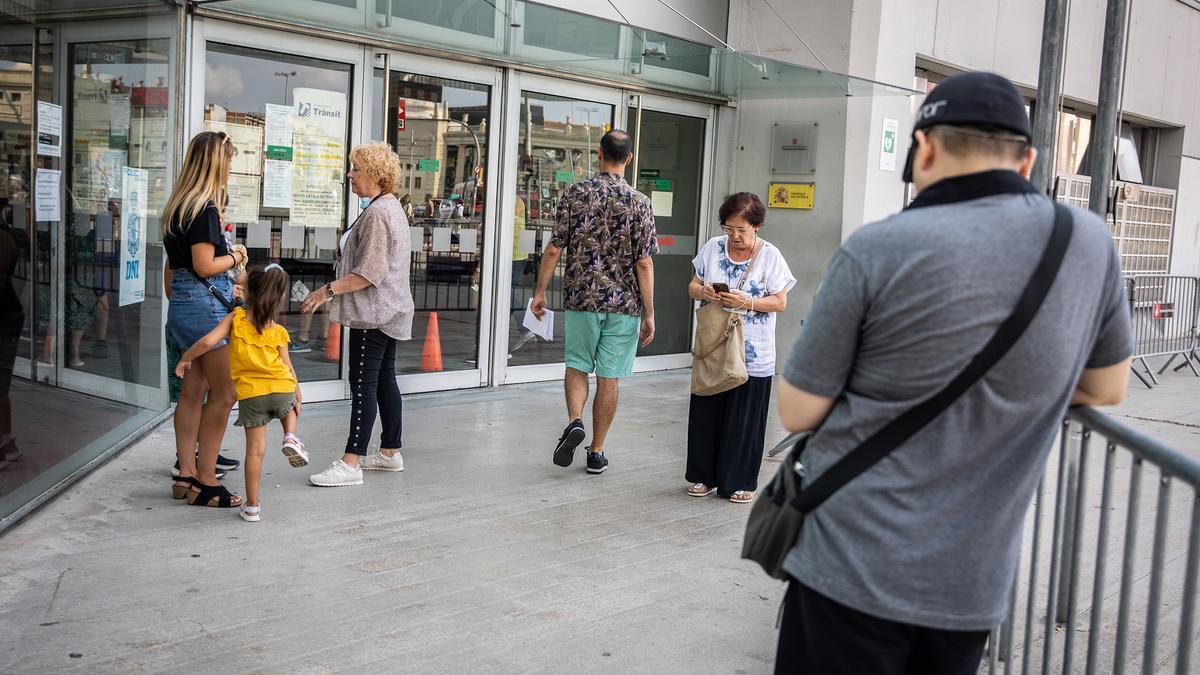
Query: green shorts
{"type": "Point", "coordinates": [260, 410]}
{"type": "Point", "coordinates": [604, 344]}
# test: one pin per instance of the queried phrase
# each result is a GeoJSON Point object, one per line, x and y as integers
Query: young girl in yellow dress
{"type": "Point", "coordinates": [262, 372]}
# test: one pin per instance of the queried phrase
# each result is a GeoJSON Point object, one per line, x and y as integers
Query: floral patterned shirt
{"type": "Point", "coordinates": [604, 227]}
{"type": "Point", "coordinates": [769, 276]}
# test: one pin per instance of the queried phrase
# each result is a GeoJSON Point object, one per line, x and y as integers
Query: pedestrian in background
{"type": "Point", "coordinates": [201, 295]}
{"type": "Point", "coordinates": [370, 295]}
{"type": "Point", "coordinates": [909, 565]}
{"type": "Point", "coordinates": [747, 275]}
{"type": "Point", "coordinates": [605, 229]}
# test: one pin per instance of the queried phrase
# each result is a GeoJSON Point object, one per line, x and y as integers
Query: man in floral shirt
{"type": "Point", "coordinates": [605, 229]}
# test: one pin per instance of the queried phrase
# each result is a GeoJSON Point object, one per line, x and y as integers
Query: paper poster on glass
{"type": "Point", "coordinates": [243, 199]}
{"type": "Point", "coordinates": [277, 135]}
{"type": "Point", "coordinates": [49, 129]}
{"type": "Point", "coordinates": [249, 142]}
{"type": "Point", "coordinates": [277, 184]}
{"type": "Point", "coordinates": [318, 157]}
{"type": "Point", "coordinates": [317, 206]}
{"type": "Point", "coordinates": [133, 236]}
{"type": "Point", "coordinates": [47, 187]}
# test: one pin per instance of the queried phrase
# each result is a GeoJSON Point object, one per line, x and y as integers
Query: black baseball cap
{"type": "Point", "coordinates": [984, 100]}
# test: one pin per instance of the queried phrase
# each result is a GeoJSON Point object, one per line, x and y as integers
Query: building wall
{"type": "Point", "coordinates": [884, 40]}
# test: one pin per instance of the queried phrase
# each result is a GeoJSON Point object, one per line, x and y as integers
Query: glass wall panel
{"type": "Point", "coordinates": [118, 141]}
{"type": "Point", "coordinates": [85, 149]}
{"type": "Point", "coordinates": [670, 172]}
{"type": "Point", "coordinates": [289, 118]}
{"type": "Point", "coordinates": [439, 128]}
{"type": "Point", "coordinates": [558, 139]}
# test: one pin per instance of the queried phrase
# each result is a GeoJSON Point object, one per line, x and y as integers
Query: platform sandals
{"type": "Point", "coordinates": [215, 496]}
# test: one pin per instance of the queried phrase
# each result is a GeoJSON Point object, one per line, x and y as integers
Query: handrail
{"type": "Point", "coordinates": [1170, 460]}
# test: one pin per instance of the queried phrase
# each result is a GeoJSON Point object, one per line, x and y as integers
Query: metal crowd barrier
{"type": "Point", "coordinates": [1164, 310]}
{"type": "Point", "coordinates": [1090, 614]}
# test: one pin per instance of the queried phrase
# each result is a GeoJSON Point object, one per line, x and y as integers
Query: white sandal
{"type": "Point", "coordinates": [251, 514]}
{"type": "Point", "coordinates": [700, 490]}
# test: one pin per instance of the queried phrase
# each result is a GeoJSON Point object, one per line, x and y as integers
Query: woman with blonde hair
{"type": "Point", "coordinates": [371, 297]}
{"type": "Point", "coordinates": [200, 263]}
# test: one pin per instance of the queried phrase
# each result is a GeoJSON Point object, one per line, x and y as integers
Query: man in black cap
{"type": "Point", "coordinates": [907, 566]}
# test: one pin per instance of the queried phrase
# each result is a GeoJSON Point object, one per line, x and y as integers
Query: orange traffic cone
{"type": "Point", "coordinates": [431, 355]}
{"type": "Point", "coordinates": [333, 342]}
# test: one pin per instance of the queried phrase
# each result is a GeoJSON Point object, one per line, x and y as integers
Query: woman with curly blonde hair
{"type": "Point", "coordinates": [371, 297]}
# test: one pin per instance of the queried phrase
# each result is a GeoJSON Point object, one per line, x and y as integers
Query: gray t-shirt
{"type": "Point", "coordinates": [930, 535]}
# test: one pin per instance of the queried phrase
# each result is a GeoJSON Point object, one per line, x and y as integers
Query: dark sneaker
{"type": "Point", "coordinates": [227, 464]}
{"type": "Point", "coordinates": [221, 468]}
{"type": "Point", "coordinates": [597, 462]}
{"type": "Point", "coordinates": [300, 347]}
{"type": "Point", "coordinates": [572, 436]}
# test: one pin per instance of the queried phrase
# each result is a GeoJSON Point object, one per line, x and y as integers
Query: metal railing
{"type": "Point", "coordinates": [1165, 311]}
{"type": "Point", "coordinates": [1088, 614]}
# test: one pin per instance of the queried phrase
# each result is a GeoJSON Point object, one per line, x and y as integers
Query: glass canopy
{"type": "Point", "coordinates": [527, 33]}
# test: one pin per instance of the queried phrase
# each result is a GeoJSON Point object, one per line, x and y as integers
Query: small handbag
{"type": "Point", "coordinates": [719, 355]}
{"type": "Point", "coordinates": [775, 521]}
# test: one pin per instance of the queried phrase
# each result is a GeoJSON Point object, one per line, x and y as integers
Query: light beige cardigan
{"type": "Point", "coordinates": [378, 250]}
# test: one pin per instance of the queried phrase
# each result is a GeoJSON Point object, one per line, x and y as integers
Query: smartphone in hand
{"type": "Point", "coordinates": [721, 288]}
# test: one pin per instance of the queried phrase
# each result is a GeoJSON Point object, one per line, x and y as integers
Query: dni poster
{"type": "Point", "coordinates": [133, 236]}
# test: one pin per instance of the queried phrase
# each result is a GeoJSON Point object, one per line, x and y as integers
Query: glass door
{"type": "Point", "coordinates": [291, 117]}
{"type": "Point", "coordinates": [440, 118]}
{"type": "Point", "coordinates": [557, 132]}
{"type": "Point", "coordinates": [670, 162]}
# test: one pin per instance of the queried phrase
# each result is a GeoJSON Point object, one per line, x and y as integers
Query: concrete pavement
{"type": "Point", "coordinates": [481, 557]}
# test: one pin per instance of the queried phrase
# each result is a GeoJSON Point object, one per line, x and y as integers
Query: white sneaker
{"type": "Point", "coordinates": [377, 461]}
{"type": "Point", "coordinates": [338, 474]}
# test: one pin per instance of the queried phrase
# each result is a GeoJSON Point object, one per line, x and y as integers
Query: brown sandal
{"type": "Point", "coordinates": [181, 491]}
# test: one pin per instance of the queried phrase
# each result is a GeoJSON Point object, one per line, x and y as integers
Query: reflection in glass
{"type": "Point", "coordinates": [288, 116]}
{"type": "Point", "coordinates": [670, 160]}
{"type": "Point", "coordinates": [112, 289]}
{"type": "Point", "coordinates": [558, 139]}
{"type": "Point", "coordinates": [439, 128]}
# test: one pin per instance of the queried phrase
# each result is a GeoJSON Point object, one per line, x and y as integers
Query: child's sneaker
{"type": "Point", "coordinates": [294, 450]}
{"type": "Point", "coordinates": [377, 461]}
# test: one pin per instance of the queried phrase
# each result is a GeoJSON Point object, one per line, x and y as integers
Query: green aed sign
{"type": "Point", "coordinates": [428, 165]}
{"type": "Point", "coordinates": [562, 176]}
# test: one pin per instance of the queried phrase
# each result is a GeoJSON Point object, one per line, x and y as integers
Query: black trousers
{"type": "Point", "coordinates": [726, 433]}
{"type": "Point", "coordinates": [821, 636]}
{"type": "Point", "coordinates": [373, 387]}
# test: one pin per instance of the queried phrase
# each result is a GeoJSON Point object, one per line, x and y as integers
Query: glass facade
{"type": "Point", "coordinates": [88, 142]}
{"type": "Point", "coordinates": [98, 102]}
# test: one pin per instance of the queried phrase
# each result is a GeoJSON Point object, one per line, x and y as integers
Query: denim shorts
{"type": "Point", "coordinates": [193, 312]}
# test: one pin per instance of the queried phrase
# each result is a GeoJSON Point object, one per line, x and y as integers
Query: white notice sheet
{"type": "Point", "coordinates": [543, 327]}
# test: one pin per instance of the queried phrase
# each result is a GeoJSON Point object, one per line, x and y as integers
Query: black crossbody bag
{"type": "Point", "coordinates": [778, 514]}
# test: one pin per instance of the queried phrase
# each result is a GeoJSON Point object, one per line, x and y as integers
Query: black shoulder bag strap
{"type": "Point", "coordinates": [895, 433]}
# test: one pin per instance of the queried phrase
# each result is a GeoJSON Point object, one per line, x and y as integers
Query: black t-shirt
{"type": "Point", "coordinates": [204, 229]}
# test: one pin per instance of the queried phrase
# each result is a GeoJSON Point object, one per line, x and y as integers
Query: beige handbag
{"type": "Point", "coordinates": [719, 354]}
